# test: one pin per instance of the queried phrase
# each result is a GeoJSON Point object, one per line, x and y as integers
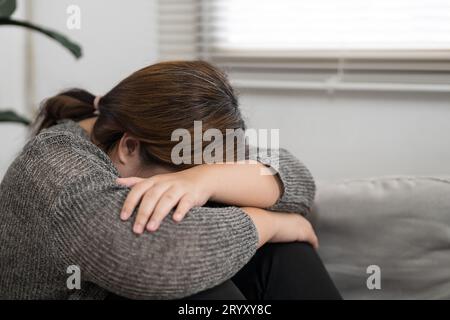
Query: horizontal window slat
{"type": "Point", "coordinates": [193, 29]}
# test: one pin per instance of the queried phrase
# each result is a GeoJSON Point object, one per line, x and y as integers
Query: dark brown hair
{"type": "Point", "coordinates": [150, 104]}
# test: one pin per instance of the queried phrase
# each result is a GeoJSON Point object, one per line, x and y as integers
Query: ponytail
{"type": "Point", "coordinates": [75, 104]}
{"type": "Point", "coordinates": [150, 105]}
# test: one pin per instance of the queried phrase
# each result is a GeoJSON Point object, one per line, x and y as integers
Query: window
{"type": "Point", "coordinates": [337, 44]}
{"type": "Point", "coordinates": [296, 25]}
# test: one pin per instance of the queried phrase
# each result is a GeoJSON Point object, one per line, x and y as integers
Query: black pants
{"type": "Point", "coordinates": [279, 271]}
{"type": "Point", "coordinates": [286, 271]}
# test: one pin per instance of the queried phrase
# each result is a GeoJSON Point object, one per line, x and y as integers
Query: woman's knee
{"type": "Point", "coordinates": [296, 272]}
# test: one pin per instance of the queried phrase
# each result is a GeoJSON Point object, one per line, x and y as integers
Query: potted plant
{"type": "Point", "coordinates": [7, 8]}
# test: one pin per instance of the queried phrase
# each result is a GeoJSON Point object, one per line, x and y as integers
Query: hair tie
{"type": "Point", "coordinates": [96, 104]}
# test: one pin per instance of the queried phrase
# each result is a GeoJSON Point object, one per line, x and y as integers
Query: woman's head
{"type": "Point", "coordinates": [142, 111]}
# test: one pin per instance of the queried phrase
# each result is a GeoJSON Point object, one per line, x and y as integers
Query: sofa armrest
{"type": "Point", "coordinates": [401, 224]}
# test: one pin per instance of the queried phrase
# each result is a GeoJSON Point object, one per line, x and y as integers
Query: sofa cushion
{"type": "Point", "coordinates": [399, 224]}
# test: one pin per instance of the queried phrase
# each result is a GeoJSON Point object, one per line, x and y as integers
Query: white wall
{"type": "Point", "coordinates": [117, 36]}
{"type": "Point", "coordinates": [344, 135]}
{"type": "Point", "coordinates": [12, 89]}
{"type": "Point", "coordinates": [353, 135]}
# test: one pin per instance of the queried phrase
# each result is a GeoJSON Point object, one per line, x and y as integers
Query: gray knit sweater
{"type": "Point", "coordinates": [60, 206]}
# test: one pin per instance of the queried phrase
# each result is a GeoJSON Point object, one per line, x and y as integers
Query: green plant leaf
{"type": "Point", "coordinates": [74, 48]}
{"type": "Point", "coordinates": [7, 7]}
{"type": "Point", "coordinates": [11, 116]}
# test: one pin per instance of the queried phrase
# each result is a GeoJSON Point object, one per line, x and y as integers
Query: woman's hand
{"type": "Point", "coordinates": [281, 227]}
{"type": "Point", "coordinates": [158, 195]}
{"type": "Point", "coordinates": [294, 228]}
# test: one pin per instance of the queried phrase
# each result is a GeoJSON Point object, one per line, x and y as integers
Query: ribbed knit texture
{"type": "Point", "coordinates": [60, 206]}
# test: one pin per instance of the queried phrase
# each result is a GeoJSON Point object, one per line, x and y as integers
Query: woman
{"type": "Point", "coordinates": [64, 207]}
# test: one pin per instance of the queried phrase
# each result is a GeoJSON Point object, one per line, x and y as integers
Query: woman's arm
{"type": "Point", "coordinates": [299, 188]}
{"type": "Point", "coordinates": [208, 247]}
{"type": "Point", "coordinates": [277, 181]}
{"type": "Point", "coordinates": [242, 184]}
{"type": "Point", "coordinates": [281, 227]}
{"type": "Point", "coordinates": [290, 189]}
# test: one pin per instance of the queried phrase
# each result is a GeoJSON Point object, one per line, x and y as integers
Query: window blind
{"type": "Point", "coordinates": [180, 29]}
{"type": "Point", "coordinates": [314, 43]}
{"type": "Point", "coordinates": [287, 27]}
{"type": "Point", "coordinates": [294, 25]}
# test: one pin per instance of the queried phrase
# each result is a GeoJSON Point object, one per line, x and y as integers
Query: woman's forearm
{"type": "Point", "coordinates": [253, 184]}
{"type": "Point", "coordinates": [264, 223]}
{"type": "Point", "coordinates": [291, 189]}
{"type": "Point", "coordinates": [243, 184]}
{"type": "Point", "coordinates": [281, 227]}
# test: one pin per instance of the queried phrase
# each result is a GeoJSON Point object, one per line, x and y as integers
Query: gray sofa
{"type": "Point", "coordinates": [399, 224]}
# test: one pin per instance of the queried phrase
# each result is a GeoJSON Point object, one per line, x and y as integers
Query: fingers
{"type": "Point", "coordinates": [165, 204]}
{"type": "Point", "coordinates": [134, 197]}
{"type": "Point", "coordinates": [314, 241]}
{"type": "Point", "coordinates": [312, 238]}
{"type": "Point", "coordinates": [148, 204]}
{"type": "Point", "coordinates": [183, 208]}
{"type": "Point", "coordinates": [309, 234]}
{"type": "Point", "coordinates": [156, 198]}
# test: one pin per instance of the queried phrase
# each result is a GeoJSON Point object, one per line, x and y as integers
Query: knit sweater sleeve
{"type": "Point", "coordinates": [298, 184]}
{"type": "Point", "coordinates": [208, 247]}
